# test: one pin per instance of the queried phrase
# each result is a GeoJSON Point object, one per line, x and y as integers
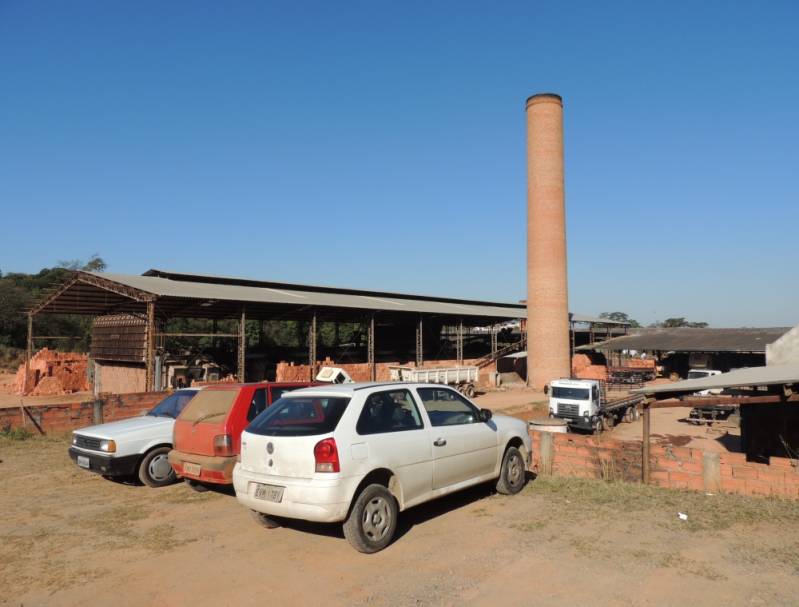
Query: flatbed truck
{"type": "Point", "coordinates": [581, 404]}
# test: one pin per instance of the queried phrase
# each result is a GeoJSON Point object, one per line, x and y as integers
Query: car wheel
{"type": "Point", "coordinates": [373, 520]}
{"type": "Point", "coordinates": [512, 474]}
{"type": "Point", "coordinates": [154, 469]}
{"type": "Point", "coordinates": [196, 486]}
{"type": "Point", "coordinates": [265, 521]}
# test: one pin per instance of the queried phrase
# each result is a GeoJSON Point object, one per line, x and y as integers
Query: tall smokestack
{"type": "Point", "coordinates": [548, 351]}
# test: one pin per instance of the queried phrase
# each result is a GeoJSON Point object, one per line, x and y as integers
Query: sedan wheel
{"type": "Point", "coordinates": [512, 474]}
{"type": "Point", "coordinates": [154, 469]}
{"type": "Point", "coordinates": [372, 520]}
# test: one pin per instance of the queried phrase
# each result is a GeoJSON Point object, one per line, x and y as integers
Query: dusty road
{"type": "Point", "coordinates": [71, 538]}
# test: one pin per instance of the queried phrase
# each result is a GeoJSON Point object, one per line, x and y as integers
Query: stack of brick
{"type": "Point", "coordinates": [287, 371]}
{"type": "Point", "coordinates": [582, 368]}
{"type": "Point", "coordinates": [641, 363]}
{"type": "Point", "coordinates": [587, 456]}
{"type": "Point", "coordinates": [53, 372]}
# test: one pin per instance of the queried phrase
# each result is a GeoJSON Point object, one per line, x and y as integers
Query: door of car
{"type": "Point", "coordinates": [463, 446]}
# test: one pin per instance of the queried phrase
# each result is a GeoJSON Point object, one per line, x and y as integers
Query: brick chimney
{"type": "Point", "coordinates": [548, 350]}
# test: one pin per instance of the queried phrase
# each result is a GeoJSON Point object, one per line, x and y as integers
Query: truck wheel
{"type": "Point", "coordinates": [609, 421]}
{"type": "Point", "coordinates": [598, 425]}
{"type": "Point", "coordinates": [154, 469]}
{"type": "Point", "coordinates": [372, 521]}
{"type": "Point", "coordinates": [469, 390]}
{"type": "Point", "coordinates": [265, 521]}
{"type": "Point", "coordinates": [628, 415]}
{"type": "Point", "coordinates": [636, 414]}
{"type": "Point", "coordinates": [512, 474]}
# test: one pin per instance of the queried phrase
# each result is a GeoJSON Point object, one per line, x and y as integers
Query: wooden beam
{"type": "Point", "coordinates": [149, 355]}
{"type": "Point", "coordinates": [645, 445]}
{"type": "Point", "coordinates": [28, 354]}
{"type": "Point", "coordinates": [769, 399]}
{"type": "Point", "coordinates": [370, 348]}
{"type": "Point", "coordinates": [236, 335]}
{"type": "Point", "coordinates": [242, 346]}
{"type": "Point", "coordinates": [312, 347]}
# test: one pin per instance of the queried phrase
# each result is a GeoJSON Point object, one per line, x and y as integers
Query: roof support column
{"type": "Point", "coordinates": [494, 347]}
{"type": "Point", "coordinates": [645, 445]}
{"type": "Point", "coordinates": [459, 343]}
{"type": "Point", "coordinates": [370, 348]}
{"type": "Point", "coordinates": [242, 345]}
{"type": "Point", "coordinates": [149, 353]}
{"type": "Point", "coordinates": [28, 354]}
{"type": "Point", "coordinates": [419, 343]}
{"type": "Point", "coordinates": [312, 334]}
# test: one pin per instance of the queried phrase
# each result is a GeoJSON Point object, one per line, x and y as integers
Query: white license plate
{"type": "Point", "coordinates": [83, 461]}
{"type": "Point", "coordinates": [193, 469]}
{"type": "Point", "coordinates": [270, 493]}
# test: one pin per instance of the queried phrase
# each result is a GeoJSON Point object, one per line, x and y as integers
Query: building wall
{"type": "Point", "coordinates": [587, 456]}
{"type": "Point", "coordinates": [59, 418]}
{"type": "Point", "coordinates": [785, 350]}
{"type": "Point", "coordinates": [118, 378]}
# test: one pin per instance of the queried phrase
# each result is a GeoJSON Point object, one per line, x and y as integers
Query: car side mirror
{"type": "Point", "coordinates": [485, 415]}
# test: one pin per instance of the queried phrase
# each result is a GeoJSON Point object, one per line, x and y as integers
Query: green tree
{"type": "Point", "coordinates": [620, 317]}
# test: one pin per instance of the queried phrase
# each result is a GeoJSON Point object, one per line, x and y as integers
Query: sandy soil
{"type": "Point", "coordinates": [68, 537]}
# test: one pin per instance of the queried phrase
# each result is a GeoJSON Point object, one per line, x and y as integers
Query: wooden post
{"type": "Point", "coordinates": [149, 355]}
{"type": "Point", "coordinates": [419, 343]}
{"type": "Point", "coordinates": [370, 348]}
{"type": "Point", "coordinates": [546, 455]}
{"type": "Point", "coordinates": [459, 343]}
{"type": "Point", "coordinates": [645, 445]}
{"type": "Point", "coordinates": [28, 355]}
{"type": "Point", "coordinates": [312, 347]}
{"type": "Point", "coordinates": [711, 471]}
{"type": "Point", "coordinates": [242, 345]}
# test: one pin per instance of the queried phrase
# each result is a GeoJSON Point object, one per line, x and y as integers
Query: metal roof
{"type": "Point", "coordinates": [686, 339]}
{"type": "Point", "coordinates": [596, 320]}
{"type": "Point", "coordinates": [752, 376]}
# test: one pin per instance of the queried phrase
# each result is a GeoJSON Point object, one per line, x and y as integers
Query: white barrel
{"type": "Point", "coordinates": [549, 424]}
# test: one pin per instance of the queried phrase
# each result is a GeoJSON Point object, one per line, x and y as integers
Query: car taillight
{"type": "Point", "coordinates": [223, 444]}
{"type": "Point", "coordinates": [326, 455]}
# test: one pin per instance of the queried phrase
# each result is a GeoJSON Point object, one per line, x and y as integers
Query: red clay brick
{"type": "Point", "coordinates": [754, 487]}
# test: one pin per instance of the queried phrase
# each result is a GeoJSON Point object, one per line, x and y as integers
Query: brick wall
{"type": "Point", "coordinates": [59, 418]}
{"type": "Point", "coordinates": [588, 456]}
{"type": "Point", "coordinates": [361, 371]}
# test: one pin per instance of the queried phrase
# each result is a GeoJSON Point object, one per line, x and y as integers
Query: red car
{"type": "Point", "coordinates": [207, 434]}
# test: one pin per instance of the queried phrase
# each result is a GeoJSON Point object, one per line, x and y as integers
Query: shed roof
{"type": "Point", "coordinates": [752, 376]}
{"type": "Point", "coordinates": [686, 339]}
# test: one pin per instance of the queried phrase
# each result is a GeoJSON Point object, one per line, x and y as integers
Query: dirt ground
{"type": "Point", "coordinates": [68, 537]}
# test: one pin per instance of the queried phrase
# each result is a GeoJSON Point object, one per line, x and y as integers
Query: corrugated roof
{"type": "Point", "coordinates": [686, 339]}
{"type": "Point", "coordinates": [596, 320]}
{"type": "Point", "coordinates": [296, 295]}
{"type": "Point", "coordinates": [752, 376]}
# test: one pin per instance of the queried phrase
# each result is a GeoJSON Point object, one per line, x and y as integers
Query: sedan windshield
{"type": "Point", "coordinates": [300, 416]}
{"type": "Point", "coordinates": [173, 404]}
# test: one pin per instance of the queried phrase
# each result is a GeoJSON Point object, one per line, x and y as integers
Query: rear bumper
{"type": "Point", "coordinates": [107, 465]}
{"type": "Point", "coordinates": [321, 501]}
{"type": "Point", "coordinates": [213, 469]}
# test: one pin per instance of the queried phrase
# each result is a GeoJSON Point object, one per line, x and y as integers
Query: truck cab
{"type": "Point", "coordinates": [702, 374]}
{"type": "Point", "coordinates": [578, 401]}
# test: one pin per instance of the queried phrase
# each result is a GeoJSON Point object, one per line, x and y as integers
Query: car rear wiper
{"type": "Point", "coordinates": [207, 416]}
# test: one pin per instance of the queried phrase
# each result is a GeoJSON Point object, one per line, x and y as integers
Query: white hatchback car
{"type": "Point", "coordinates": [361, 453]}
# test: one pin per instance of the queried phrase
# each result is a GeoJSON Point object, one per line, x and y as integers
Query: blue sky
{"type": "Point", "coordinates": [382, 145]}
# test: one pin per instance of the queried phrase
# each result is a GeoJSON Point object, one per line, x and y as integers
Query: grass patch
{"type": "Point", "coordinates": [16, 434]}
{"type": "Point", "coordinates": [705, 512]}
{"type": "Point", "coordinates": [162, 538]}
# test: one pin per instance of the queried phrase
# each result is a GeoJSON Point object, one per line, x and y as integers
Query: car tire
{"type": "Point", "coordinates": [372, 521]}
{"type": "Point", "coordinates": [196, 485]}
{"type": "Point", "coordinates": [512, 473]}
{"type": "Point", "coordinates": [267, 522]}
{"type": "Point", "coordinates": [154, 468]}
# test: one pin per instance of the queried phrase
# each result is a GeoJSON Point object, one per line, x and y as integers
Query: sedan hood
{"type": "Point", "coordinates": [125, 427]}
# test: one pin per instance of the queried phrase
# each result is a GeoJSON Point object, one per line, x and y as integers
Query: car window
{"type": "Point", "coordinates": [278, 392]}
{"type": "Point", "coordinates": [300, 416]}
{"type": "Point", "coordinates": [389, 411]}
{"type": "Point", "coordinates": [447, 408]}
{"type": "Point", "coordinates": [209, 405]}
{"type": "Point", "coordinates": [173, 404]}
{"type": "Point", "coordinates": [257, 404]}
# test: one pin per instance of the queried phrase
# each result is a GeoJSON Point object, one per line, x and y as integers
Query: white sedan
{"type": "Point", "coordinates": [362, 453]}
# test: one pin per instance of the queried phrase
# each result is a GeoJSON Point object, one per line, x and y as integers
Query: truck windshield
{"type": "Point", "coordinates": [173, 404]}
{"type": "Point", "coordinates": [300, 416]}
{"type": "Point", "coordinates": [697, 374]}
{"type": "Point", "coordinates": [572, 393]}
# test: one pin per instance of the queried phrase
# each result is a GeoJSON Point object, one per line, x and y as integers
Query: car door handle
{"type": "Point", "coordinates": [439, 442]}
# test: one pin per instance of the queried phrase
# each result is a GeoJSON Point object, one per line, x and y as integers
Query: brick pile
{"type": "Point", "coordinates": [587, 456]}
{"type": "Point", "coordinates": [582, 368]}
{"type": "Point", "coordinates": [287, 371]}
{"type": "Point", "coordinates": [52, 372]}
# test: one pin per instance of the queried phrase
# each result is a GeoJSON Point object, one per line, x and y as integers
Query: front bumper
{"type": "Point", "coordinates": [107, 465]}
{"type": "Point", "coordinates": [317, 500]}
{"type": "Point", "coordinates": [213, 468]}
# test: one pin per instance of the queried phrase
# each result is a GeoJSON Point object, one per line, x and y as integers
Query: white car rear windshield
{"type": "Point", "coordinates": [300, 416]}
